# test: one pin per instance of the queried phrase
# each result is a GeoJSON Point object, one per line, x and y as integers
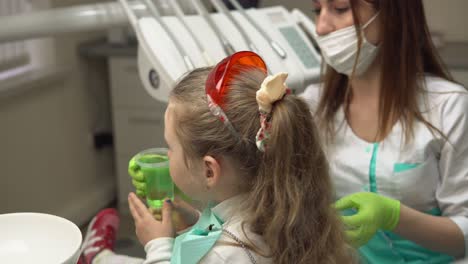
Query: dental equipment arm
{"type": "Point", "coordinates": [157, 15]}
{"type": "Point", "coordinates": [275, 45]}
{"type": "Point", "coordinates": [160, 62]}
{"type": "Point", "coordinates": [180, 16]}
{"type": "Point", "coordinates": [228, 48]}
{"type": "Point", "coordinates": [156, 68]}
{"type": "Point", "coordinates": [224, 10]}
{"type": "Point", "coordinates": [132, 18]}
{"type": "Point", "coordinates": [81, 18]}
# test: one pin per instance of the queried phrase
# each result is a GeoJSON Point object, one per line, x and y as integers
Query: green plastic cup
{"type": "Point", "coordinates": [154, 164]}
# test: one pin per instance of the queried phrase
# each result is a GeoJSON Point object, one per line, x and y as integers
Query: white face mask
{"type": "Point", "coordinates": [340, 48]}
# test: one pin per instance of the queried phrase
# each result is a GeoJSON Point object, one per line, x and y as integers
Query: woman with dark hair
{"type": "Point", "coordinates": [395, 128]}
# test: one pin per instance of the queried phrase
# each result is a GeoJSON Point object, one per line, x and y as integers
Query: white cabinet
{"type": "Point", "coordinates": [127, 90]}
{"type": "Point", "coordinates": [138, 120]}
{"type": "Point", "coordinates": [136, 130]}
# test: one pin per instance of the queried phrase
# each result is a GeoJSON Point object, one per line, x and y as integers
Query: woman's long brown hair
{"type": "Point", "coordinates": [289, 189]}
{"type": "Point", "coordinates": [407, 54]}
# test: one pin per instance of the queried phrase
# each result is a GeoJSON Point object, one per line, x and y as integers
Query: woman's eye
{"type": "Point", "coordinates": [342, 10]}
{"type": "Point", "coordinates": [316, 11]}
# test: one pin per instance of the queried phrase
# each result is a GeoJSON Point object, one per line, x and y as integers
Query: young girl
{"type": "Point", "coordinates": [239, 142]}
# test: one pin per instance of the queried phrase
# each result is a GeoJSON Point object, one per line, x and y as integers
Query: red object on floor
{"type": "Point", "coordinates": [101, 235]}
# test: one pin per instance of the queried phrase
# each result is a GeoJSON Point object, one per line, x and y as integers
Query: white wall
{"type": "Point", "coordinates": [448, 17]}
{"type": "Point", "coordinates": [47, 160]}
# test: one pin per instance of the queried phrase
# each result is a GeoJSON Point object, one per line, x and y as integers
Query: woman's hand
{"type": "Point", "coordinates": [183, 214]}
{"type": "Point", "coordinates": [146, 227]}
{"type": "Point", "coordinates": [374, 212]}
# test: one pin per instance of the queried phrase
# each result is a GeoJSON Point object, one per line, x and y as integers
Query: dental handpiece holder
{"type": "Point", "coordinates": [167, 50]}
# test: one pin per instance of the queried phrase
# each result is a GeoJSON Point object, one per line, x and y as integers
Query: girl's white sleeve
{"type": "Point", "coordinates": [452, 192]}
{"type": "Point", "coordinates": [159, 251]}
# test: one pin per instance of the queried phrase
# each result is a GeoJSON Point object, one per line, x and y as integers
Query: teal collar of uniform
{"type": "Point", "coordinates": [190, 247]}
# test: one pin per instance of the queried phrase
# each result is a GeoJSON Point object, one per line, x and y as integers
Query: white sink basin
{"type": "Point", "coordinates": [39, 239]}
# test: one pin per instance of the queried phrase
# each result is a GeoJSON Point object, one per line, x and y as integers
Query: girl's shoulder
{"type": "Point", "coordinates": [234, 243]}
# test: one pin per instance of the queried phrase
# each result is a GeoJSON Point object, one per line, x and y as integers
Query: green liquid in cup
{"type": "Point", "coordinates": [159, 185]}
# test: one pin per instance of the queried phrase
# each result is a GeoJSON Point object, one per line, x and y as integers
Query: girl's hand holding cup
{"type": "Point", "coordinates": [146, 227]}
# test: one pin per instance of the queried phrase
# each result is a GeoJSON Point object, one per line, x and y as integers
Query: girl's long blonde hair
{"type": "Point", "coordinates": [289, 185]}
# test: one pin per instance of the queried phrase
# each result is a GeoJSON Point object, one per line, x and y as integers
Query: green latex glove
{"type": "Point", "coordinates": [138, 178]}
{"type": "Point", "coordinates": [374, 212]}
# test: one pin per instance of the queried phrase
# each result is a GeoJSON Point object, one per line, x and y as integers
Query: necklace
{"type": "Point", "coordinates": [247, 251]}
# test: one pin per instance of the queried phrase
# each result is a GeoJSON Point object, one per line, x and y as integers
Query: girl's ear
{"type": "Point", "coordinates": [212, 171]}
